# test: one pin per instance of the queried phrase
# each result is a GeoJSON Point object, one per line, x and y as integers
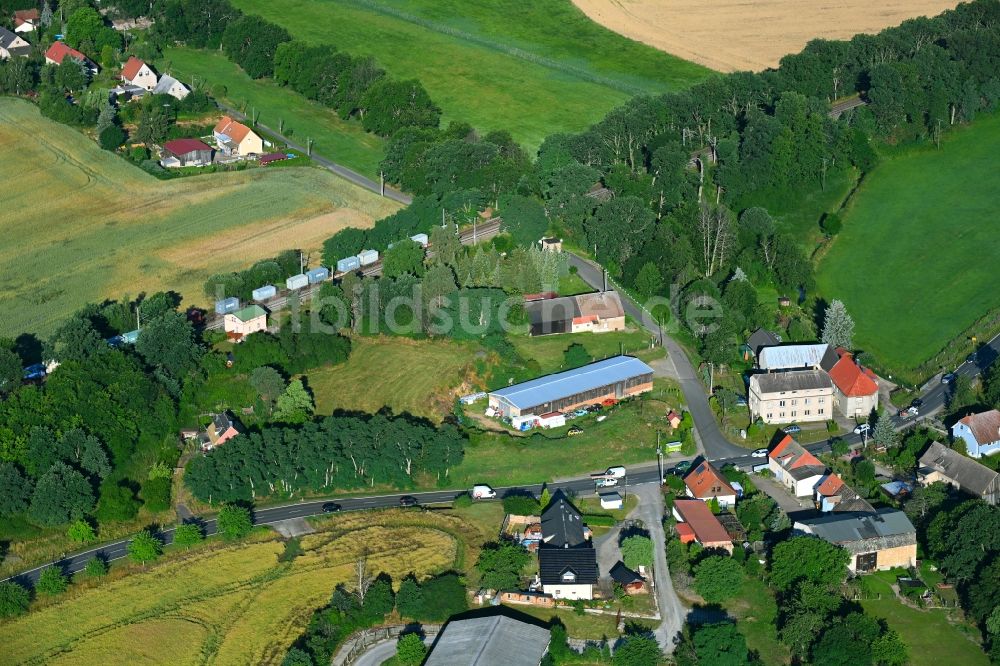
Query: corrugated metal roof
{"type": "Point", "coordinates": [792, 380]}
{"type": "Point", "coordinates": [486, 641]}
{"type": "Point", "coordinates": [845, 528]}
{"type": "Point", "coordinates": [562, 384]}
{"type": "Point", "coordinates": [786, 357]}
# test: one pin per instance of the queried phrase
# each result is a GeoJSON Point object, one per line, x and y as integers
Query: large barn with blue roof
{"type": "Point", "coordinates": [614, 378]}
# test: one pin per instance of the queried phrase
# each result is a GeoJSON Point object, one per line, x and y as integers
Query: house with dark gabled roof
{"type": "Point", "coordinates": [704, 482]}
{"type": "Point", "coordinates": [877, 541]}
{"type": "Point", "coordinates": [981, 433]}
{"type": "Point", "coordinates": [567, 561]}
{"type": "Point", "coordinates": [939, 463]}
{"type": "Point", "coordinates": [758, 340]}
{"type": "Point", "coordinates": [630, 580]}
{"type": "Point", "coordinates": [12, 45]}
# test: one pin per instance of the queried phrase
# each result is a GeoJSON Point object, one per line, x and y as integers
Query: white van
{"type": "Point", "coordinates": [617, 472]}
{"type": "Point", "coordinates": [483, 492]}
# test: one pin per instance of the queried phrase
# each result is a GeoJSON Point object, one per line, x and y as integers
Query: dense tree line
{"type": "Point", "coordinates": [353, 86]}
{"type": "Point", "coordinates": [962, 536]}
{"type": "Point", "coordinates": [242, 283]}
{"type": "Point", "coordinates": [337, 452]}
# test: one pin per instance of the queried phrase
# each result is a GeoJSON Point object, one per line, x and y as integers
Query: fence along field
{"type": "Point", "coordinates": [79, 224]}
{"type": "Point", "coordinates": [237, 605]}
{"type": "Point", "coordinates": [734, 36]}
{"type": "Point", "coordinates": [532, 68]}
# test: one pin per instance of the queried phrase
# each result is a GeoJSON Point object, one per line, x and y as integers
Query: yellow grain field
{"type": "Point", "coordinates": [79, 224]}
{"type": "Point", "coordinates": [735, 35]}
{"type": "Point", "coordinates": [237, 605]}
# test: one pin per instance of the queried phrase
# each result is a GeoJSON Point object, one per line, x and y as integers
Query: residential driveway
{"type": "Point", "coordinates": [606, 545]}
{"type": "Point", "coordinates": [794, 507]}
{"type": "Point", "coordinates": [650, 511]}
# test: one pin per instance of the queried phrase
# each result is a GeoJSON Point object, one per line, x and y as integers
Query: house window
{"type": "Point", "coordinates": [770, 415]}
{"type": "Point", "coordinates": [794, 402]}
{"type": "Point", "coordinates": [794, 413]}
{"type": "Point", "coordinates": [808, 400]}
{"type": "Point", "coordinates": [569, 577]}
{"type": "Point", "coordinates": [819, 411]}
{"type": "Point", "coordinates": [781, 403]}
{"type": "Point", "coordinates": [822, 400]}
{"type": "Point", "coordinates": [806, 412]}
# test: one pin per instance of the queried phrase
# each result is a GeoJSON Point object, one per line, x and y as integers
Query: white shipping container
{"type": "Point", "coordinates": [296, 282]}
{"type": "Point", "coordinates": [265, 292]}
{"type": "Point", "coordinates": [368, 257]}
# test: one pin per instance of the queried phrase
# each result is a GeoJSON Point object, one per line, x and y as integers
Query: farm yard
{"type": "Point", "coordinates": [342, 141]}
{"type": "Point", "coordinates": [91, 225]}
{"type": "Point", "coordinates": [531, 68]}
{"type": "Point", "coordinates": [229, 604]}
{"type": "Point", "coordinates": [915, 261]}
{"type": "Point", "coordinates": [735, 36]}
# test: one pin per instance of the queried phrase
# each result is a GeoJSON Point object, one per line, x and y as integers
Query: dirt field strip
{"type": "Point", "coordinates": [734, 35]}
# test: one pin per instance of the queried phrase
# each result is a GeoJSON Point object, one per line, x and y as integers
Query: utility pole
{"type": "Point", "coordinates": [381, 182]}
{"type": "Point", "coordinates": [659, 456]}
{"type": "Point", "coordinates": [302, 262]}
{"type": "Point", "coordinates": [604, 279]}
{"type": "Point", "coordinates": [474, 230]}
{"type": "Point", "coordinates": [711, 376]}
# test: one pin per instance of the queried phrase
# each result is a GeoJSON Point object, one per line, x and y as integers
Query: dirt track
{"type": "Point", "coordinates": [732, 35]}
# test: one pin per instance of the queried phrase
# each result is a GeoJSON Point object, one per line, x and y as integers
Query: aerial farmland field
{"type": "Point", "coordinates": [80, 224]}
{"type": "Point", "coordinates": [234, 604]}
{"type": "Point", "coordinates": [734, 36]}
{"type": "Point", "coordinates": [915, 262]}
{"type": "Point", "coordinates": [533, 68]}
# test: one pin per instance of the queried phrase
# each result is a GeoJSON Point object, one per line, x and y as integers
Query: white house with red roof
{"type": "Point", "coordinates": [795, 468]}
{"type": "Point", "coordinates": [832, 494]}
{"type": "Point", "coordinates": [235, 138]}
{"type": "Point", "coordinates": [855, 387]}
{"type": "Point", "coordinates": [26, 20]}
{"type": "Point", "coordinates": [57, 53]}
{"type": "Point", "coordinates": [138, 73]}
{"type": "Point", "coordinates": [980, 432]}
{"type": "Point", "coordinates": [704, 482]}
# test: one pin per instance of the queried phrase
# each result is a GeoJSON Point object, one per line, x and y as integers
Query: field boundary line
{"type": "Point", "coordinates": [512, 51]}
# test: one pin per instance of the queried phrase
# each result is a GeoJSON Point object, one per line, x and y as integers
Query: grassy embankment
{"type": "Point", "coordinates": [915, 260]}
{"type": "Point", "coordinates": [531, 68]}
{"type": "Point", "coordinates": [80, 224]}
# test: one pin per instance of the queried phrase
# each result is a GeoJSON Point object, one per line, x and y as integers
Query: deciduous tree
{"type": "Point", "coordinates": [410, 651]}
{"type": "Point", "coordinates": [61, 494]}
{"type": "Point", "coordinates": [717, 578]}
{"type": "Point", "coordinates": [500, 565]}
{"type": "Point", "coordinates": [637, 551]}
{"type": "Point", "coordinates": [52, 581]}
{"type": "Point", "coordinates": [14, 599]}
{"type": "Point", "coordinates": [144, 547]}
{"type": "Point", "coordinates": [233, 521]}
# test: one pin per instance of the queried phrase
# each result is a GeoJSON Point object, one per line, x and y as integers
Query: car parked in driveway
{"type": "Point", "coordinates": [792, 429]}
{"type": "Point", "coordinates": [759, 453]}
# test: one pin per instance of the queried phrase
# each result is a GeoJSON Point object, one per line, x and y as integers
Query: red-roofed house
{"type": "Point", "coordinates": [674, 419]}
{"type": "Point", "coordinates": [832, 494]}
{"type": "Point", "coordinates": [855, 388]}
{"type": "Point", "coordinates": [981, 433]}
{"type": "Point", "coordinates": [234, 138]}
{"type": "Point", "coordinates": [138, 73]}
{"type": "Point", "coordinates": [795, 468]}
{"type": "Point", "coordinates": [58, 52]}
{"type": "Point", "coordinates": [26, 20]}
{"type": "Point", "coordinates": [695, 522]}
{"type": "Point", "coordinates": [704, 482]}
{"type": "Point", "coordinates": [185, 152]}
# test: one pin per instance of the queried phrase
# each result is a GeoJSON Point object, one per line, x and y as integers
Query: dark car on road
{"type": "Point", "coordinates": [331, 507]}
{"type": "Point", "coordinates": [406, 500]}
{"type": "Point", "coordinates": [948, 378]}
{"type": "Point", "coordinates": [917, 402]}
{"type": "Point", "coordinates": [971, 358]}
{"type": "Point", "coordinates": [682, 468]}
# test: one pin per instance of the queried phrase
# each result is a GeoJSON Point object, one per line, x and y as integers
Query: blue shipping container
{"type": "Point", "coordinates": [227, 305]}
{"type": "Point", "coordinates": [318, 275]}
{"type": "Point", "coordinates": [265, 292]}
{"type": "Point", "coordinates": [348, 264]}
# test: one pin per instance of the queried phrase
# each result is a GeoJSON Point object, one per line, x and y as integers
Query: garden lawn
{"type": "Point", "coordinates": [415, 376]}
{"type": "Point", "coordinates": [548, 349]}
{"type": "Point", "coordinates": [533, 68]}
{"type": "Point", "coordinates": [79, 224]}
{"type": "Point", "coordinates": [916, 261]}
{"type": "Point", "coordinates": [343, 141]}
{"type": "Point", "coordinates": [929, 637]}
{"type": "Point", "coordinates": [756, 613]}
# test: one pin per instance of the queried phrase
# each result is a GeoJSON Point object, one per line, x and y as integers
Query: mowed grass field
{"type": "Point", "coordinates": [225, 604]}
{"type": "Point", "coordinates": [415, 376]}
{"type": "Point", "coordinates": [916, 261]}
{"type": "Point", "coordinates": [344, 142]}
{"type": "Point", "coordinates": [78, 224]}
{"type": "Point", "coordinates": [533, 68]}
{"type": "Point", "coordinates": [734, 35]}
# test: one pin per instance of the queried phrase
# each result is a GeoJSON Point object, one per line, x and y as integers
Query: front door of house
{"type": "Point", "coordinates": [866, 562]}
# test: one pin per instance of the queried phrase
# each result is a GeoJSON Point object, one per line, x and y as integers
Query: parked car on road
{"type": "Point", "coordinates": [483, 492]}
{"type": "Point", "coordinates": [606, 483]}
{"type": "Point", "coordinates": [917, 402]}
{"type": "Point", "coordinates": [759, 453]}
{"type": "Point", "coordinates": [792, 429]}
{"type": "Point", "coordinates": [861, 428]}
{"type": "Point", "coordinates": [971, 358]}
{"type": "Point", "coordinates": [682, 467]}
{"type": "Point", "coordinates": [331, 507]}
{"type": "Point", "coordinates": [948, 378]}
{"type": "Point", "coordinates": [406, 500]}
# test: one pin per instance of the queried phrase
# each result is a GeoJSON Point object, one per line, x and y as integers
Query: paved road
{"type": "Point", "coordinates": [672, 611]}
{"type": "Point", "coordinates": [382, 651]}
{"type": "Point", "coordinates": [339, 169]}
{"type": "Point", "coordinates": [712, 439]}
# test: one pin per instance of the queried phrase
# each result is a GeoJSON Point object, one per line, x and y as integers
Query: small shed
{"type": "Point", "coordinates": [630, 581]}
{"type": "Point", "coordinates": [674, 419]}
{"type": "Point", "coordinates": [420, 238]}
{"type": "Point", "coordinates": [551, 244]}
{"type": "Point", "coordinates": [552, 420]}
{"type": "Point", "coordinates": [611, 501]}
{"type": "Point", "coordinates": [523, 422]}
